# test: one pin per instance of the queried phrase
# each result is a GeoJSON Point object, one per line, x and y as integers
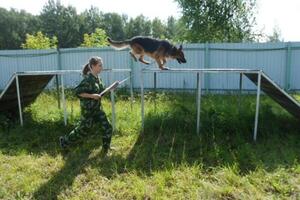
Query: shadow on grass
{"type": "Point", "coordinates": [226, 139]}
{"type": "Point", "coordinates": [75, 163]}
{"type": "Point", "coordinates": [163, 148]}
{"type": "Point", "coordinates": [169, 140]}
{"type": "Point", "coordinates": [33, 138]}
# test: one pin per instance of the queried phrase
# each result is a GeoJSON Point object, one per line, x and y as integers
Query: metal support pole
{"type": "Point", "coordinates": [131, 89]}
{"type": "Point", "coordinates": [240, 91]}
{"type": "Point", "coordinates": [142, 99]}
{"type": "Point", "coordinates": [57, 90]}
{"type": "Point", "coordinates": [112, 98]}
{"type": "Point", "coordinates": [257, 105]}
{"type": "Point", "coordinates": [154, 82]}
{"type": "Point", "coordinates": [199, 74]}
{"type": "Point", "coordinates": [63, 98]}
{"type": "Point", "coordinates": [19, 100]}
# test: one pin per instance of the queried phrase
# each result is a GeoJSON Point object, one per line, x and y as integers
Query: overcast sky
{"type": "Point", "coordinates": [283, 14]}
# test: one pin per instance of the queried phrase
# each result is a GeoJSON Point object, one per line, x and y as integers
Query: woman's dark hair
{"type": "Point", "coordinates": [93, 61]}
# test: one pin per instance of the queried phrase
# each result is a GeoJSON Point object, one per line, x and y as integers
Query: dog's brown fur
{"type": "Point", "coordinates": [159, 50]}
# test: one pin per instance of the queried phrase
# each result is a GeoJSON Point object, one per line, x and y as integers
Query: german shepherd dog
{"type": "Point", "coordinates": [159, 50]}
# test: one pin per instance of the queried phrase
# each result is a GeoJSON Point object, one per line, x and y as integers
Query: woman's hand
{"type": "Point", "coordinates": [91, 96]}
{"type": "Point", "coordinates": [96, 96]}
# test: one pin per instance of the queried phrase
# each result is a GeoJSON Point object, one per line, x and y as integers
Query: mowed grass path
{"type": "Point", "coordinates": [167, 161]}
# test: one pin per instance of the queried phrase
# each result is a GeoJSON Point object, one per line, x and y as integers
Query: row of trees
{"type": "Point", "coordinates": [70, 28]}
{"type": "Point", "coordinates": [63, 27]}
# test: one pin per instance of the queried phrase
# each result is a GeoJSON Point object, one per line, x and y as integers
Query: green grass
{"type": "Point", "coordinates": [167, 161]}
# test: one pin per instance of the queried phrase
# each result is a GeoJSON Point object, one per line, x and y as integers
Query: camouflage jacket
{"type": "Point", "coordinates": [91, 85]}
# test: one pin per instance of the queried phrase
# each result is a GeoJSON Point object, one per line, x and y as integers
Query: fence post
{"type": "Point", "coordinates": [59, 67]}
{"type": "Point", "coordinates": [131, 65]}
{"type": "Point", "coordinates": [57, 80]}
{"type": "Point", "coordinates": [287, 85]}
{"type": "Point", "coordinates": [206, 66]}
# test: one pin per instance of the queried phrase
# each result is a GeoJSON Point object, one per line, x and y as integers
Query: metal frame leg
{"type": "Point", "coordinates": [19, 100]}
{"type": "Point", "coordinates": [240, 91]}
{"type": "Point", "coordinates": [57, 90]}
{"type": "Point", "coordinates": [63, 99]}
{"type": "Point", "coordinates": [257, 105]}
{"type": "Point", "coordinates": [142, 100]}
{"type": "Point", "coordinates": [131, 89]}
{"type": "Point", "coordinates": [199, 74]}
{"type": "Point", "coordinates": [154, 83]}
{"type": "Point", "coordinates": [112, 97]}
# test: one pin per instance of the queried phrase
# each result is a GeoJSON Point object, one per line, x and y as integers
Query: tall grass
{"type": "Point", "coordinates": [167, 160]}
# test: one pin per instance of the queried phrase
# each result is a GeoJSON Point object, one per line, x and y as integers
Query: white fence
{"type": "Point", "coordinates": [281, 61]}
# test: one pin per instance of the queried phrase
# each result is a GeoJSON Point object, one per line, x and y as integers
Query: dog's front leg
{"type": "Point", "coordinates": [164, 63]}
{"type": "Point", "coordinates": [161, 65]}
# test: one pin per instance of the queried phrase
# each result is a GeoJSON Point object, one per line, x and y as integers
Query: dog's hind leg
{"type": "Point", "coordinates": [133, 56]}
{"type": "Point", "coordinates": [164, 61]}
{"type": "Point", "coordinates": [141, 59]}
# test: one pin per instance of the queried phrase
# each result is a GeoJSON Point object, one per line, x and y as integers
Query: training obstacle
{"type": "Point", "coordinates": [24, 87]}
{"type": "Point", "coordinates": [258, 77]}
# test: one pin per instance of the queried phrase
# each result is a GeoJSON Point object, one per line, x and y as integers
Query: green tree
{"type": "Point", "coordinates": [138, 26]}
{"type": "Point", "coordinates": [62, 22]}
{"type": "Point", "coordinates": [276, 36]}
{"type": "Point", "coordinates": [218, 20]}
{"type": "Point", "coordinates": [14, 25]}
{"type": "Point", "coordinates": [159, 30]}
{"type": "Point", "coordinates": [90, 20]}
{"type": "Point", "coordinates": [175, 29]}
{"type": "Point", "coordinates": [39, 41]}
{"type": "Point", "coordinates": [96, 39]}
{"type": "Point", "coordinates": [114, 25]}
{"type": "Point", "coordinates": [171, 27]}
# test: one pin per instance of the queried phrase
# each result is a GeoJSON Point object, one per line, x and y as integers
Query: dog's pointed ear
{"type": "Point", "coordinates": [174, 49]}
{"type": "Point", "coordinates": [180, 47]}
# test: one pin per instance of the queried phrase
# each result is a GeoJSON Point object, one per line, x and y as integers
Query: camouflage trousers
{"type": "Point", "coordinates": [86, 124]}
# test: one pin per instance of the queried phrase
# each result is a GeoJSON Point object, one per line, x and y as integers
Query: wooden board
{"type": "Point", "coordinates": [276, 93]}
{"type": "Point", "coordinates": [30, 87]}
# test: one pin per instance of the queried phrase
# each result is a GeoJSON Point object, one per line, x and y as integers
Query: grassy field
{"type": "Point", "coordinates": [168, 161]}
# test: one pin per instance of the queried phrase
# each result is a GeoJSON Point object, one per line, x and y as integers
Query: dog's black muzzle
{"type": "Point", "coordinates": [181, 60]}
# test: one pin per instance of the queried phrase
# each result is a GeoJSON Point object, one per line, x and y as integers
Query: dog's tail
{"type": "Point", "coordinates": [119, 45]}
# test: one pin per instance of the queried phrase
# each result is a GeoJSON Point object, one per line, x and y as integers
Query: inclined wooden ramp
{"type": "Point", "coordinates": [276, 93]}
{"type": "Point", "coordinates": [30, 86]}
{"type": "Point", "coordinates": [24, 87]}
